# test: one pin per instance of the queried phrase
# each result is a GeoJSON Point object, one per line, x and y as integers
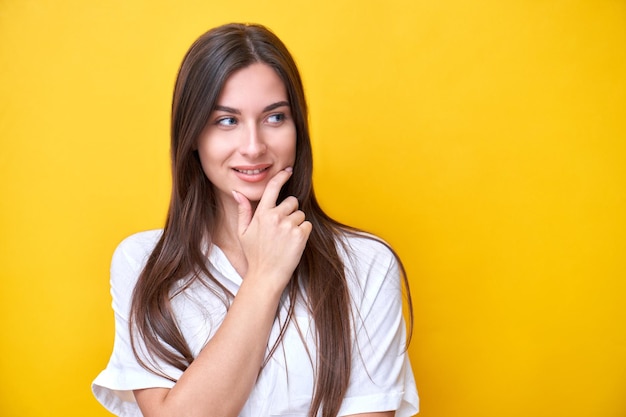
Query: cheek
{"type": "Point", "coordinates": [289, 147]}
{"type": "Point", "coordinates": [204, 155]}
{"type": "Point", "coordinates": [210, 154]}
{"type": "Point", "coordinates": [292, 151]}
{"type": "Point", "coordinates": [214, 148]}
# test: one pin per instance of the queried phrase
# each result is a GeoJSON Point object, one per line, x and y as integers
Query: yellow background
{"type": "Point", "coordinates": [486, 140]}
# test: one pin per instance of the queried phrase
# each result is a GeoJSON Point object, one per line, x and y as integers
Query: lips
{"type": "Point", "coordinates": [253, 173]}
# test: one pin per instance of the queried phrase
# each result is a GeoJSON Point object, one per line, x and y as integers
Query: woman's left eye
{"type": "Point", "coordinates": [276, 118]}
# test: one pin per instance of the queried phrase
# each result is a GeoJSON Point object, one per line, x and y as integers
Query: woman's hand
{"type": "Point", "coordinates": [274, 236]}
{"type": "Point", "coordinates": [219, 381]}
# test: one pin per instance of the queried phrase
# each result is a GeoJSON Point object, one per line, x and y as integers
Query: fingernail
{"type": "Point", "coordinates": [289, 169]}
{"type": "Point", "coordinates": [236, 196]}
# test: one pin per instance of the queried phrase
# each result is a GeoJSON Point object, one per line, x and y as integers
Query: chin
{"type": "Point", "coordinates": [254, 196]}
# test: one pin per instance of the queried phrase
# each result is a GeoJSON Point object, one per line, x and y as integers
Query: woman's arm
{"type": "Point", "coordinates": [220, 379]}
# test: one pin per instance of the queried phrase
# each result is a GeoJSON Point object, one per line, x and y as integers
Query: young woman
{"type": "Point", "coordinates": [252, 301]}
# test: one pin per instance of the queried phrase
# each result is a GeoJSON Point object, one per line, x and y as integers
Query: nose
{"type": "Point", "coordinates": [252, 143]}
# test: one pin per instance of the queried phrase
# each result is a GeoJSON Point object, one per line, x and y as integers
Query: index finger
{"type": "Point", "coordinates": [272, 189]}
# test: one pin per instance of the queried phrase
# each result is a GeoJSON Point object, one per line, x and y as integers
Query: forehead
{"type": "Point", "coordinates": [255, 83]}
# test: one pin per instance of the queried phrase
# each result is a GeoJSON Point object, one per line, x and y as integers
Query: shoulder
{"type": "Point", "coordinates": [141, 240]}
{"type": "Point", "coordinates": [367, 258]}
{"type": "Point", "coordinates": [365, 248]}
{"type": "Point", "coordinates": [130, 257]}
{"type": "Point", "coordinates": [373, 274]}
{"type": "Point", "coordinates": [137, 247]}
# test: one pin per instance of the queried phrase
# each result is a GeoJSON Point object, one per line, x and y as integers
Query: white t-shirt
{"type": "Point", "coordinates": [381, 378]}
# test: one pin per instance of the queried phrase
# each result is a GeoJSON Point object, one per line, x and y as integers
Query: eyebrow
{"type": "Point", "coordinates": [271, 107]}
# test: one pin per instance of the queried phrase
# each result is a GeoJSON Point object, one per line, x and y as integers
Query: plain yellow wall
{"type": "Point", "coordinates": [486, 140]}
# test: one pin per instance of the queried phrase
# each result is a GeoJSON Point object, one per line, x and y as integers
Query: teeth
{"type": "Point", "coordinates": [250, 171]}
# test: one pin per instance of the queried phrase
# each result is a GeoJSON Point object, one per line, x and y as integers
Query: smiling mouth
{"type": "Point", "coordinates": [251, 171]}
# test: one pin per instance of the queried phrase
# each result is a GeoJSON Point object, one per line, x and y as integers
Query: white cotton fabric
{"type": "Point", "coordinates": [381, 377]}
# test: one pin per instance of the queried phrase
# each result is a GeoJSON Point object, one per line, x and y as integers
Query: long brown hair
{"type": "Point", "coordinates": [179, 259]}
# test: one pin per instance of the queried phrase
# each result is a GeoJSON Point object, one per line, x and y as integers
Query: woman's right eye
{"type": "Point", "coordinates": [226, 121]}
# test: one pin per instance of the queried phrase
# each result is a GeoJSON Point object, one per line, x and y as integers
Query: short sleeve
{"type": "Point", "coordinates": [381, 377]}
{"type": "Point", "coordinates": [114, 386]}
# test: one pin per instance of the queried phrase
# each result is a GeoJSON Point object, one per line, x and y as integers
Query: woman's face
{"type": "Point", "coordinates": [250, 135]}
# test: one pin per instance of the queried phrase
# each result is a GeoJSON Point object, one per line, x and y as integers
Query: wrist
{"type": "Point", "coordinates": [269, 286]}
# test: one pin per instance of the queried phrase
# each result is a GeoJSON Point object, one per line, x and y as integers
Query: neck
{"type": "Point", "coordinates": [226, 234]}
